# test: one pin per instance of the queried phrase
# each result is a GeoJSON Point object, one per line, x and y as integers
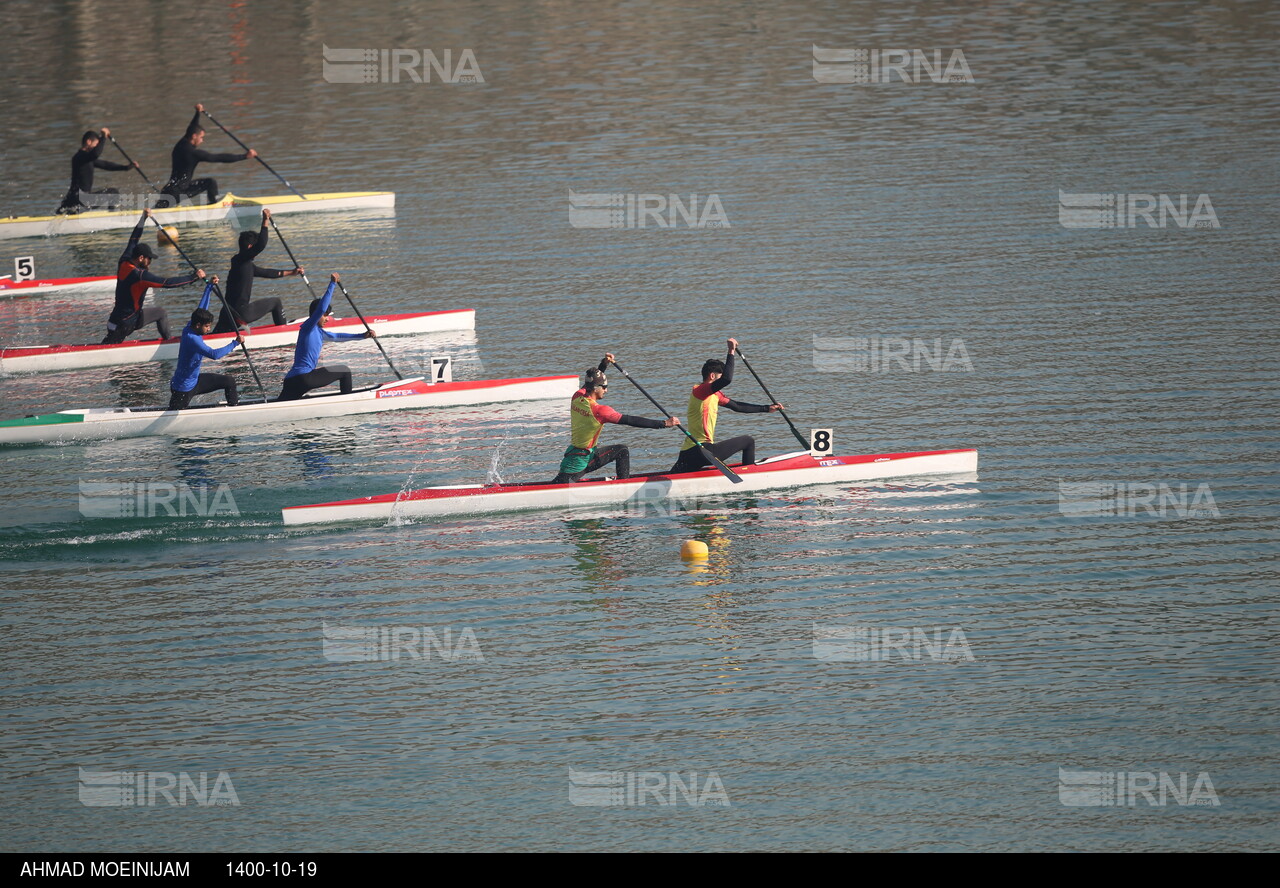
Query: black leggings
{"type": "Point", "coordinates": [251, 312]}
{"type": "Point", "coordinates": [692, 460]}
{"type": "Point", "coordinates": [191, 189]}
{"type": "Point", "coordinates": [152, 314]}
{"type": "Point", "coordinates": [205, 383]}
{"type": "Point", "coordinates": [75, 201]}
{"type": "Point", "coordinates": [615, 453]}
{"type": "Point", "coordinates": [297, 386]}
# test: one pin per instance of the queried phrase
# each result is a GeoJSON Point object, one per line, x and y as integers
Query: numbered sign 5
{"type": "Point", "coordinates": [820, 443]}
{"type": "Point", "coordinates": [441, 370]}
{"type": "Point", "coordinates": [24, 268]}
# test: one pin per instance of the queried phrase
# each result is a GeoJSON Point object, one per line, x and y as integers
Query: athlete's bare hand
{"type": "Point", "coordinates": [147, 212]}
{"type": "Point", "coordinates": [199, 108]}
{"type": "Point", "coordinates": [773, 408]}
{"type": "Point", "coordinates": [733, 346]}
{"type": "Point", "coordinates": [200, 273]}
{"type": "Point", "coordinates": [251, 154]}
{"type": "Point", "coordinates": [672, 422]}
{"type": "Point", "coordinates": [106, 133]}
{"type": "Point", "coordinates": [239, 337]}
{"type": "Point", "coordinates": [608, 356]}
{"type": "Point", "coordinates": [299, 270]}
{"type": "Point", "coordinates": [369, 334]}
{"type": "Point", "coordinates": [266, 214]}
{"type": "Point", "coordinates": [214, 279]}
{"type": "Point", "coordinates": [334, 277]}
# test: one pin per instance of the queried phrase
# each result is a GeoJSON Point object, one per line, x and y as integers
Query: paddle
{"type": "Point", "coordinates": [244, 347]}
{"type": "Point", "coordinates": [356, 309]}
{"type": "Point", "coordinates": [773, 400]}
{"type": "Point", "coordinates": [294, 259]}
{"type": "Point", "coordinates": [710, 457]}
{"type": "Point", "coordinates": [258, 158]}
{"type": "Point", "coordinates": [112, 140]}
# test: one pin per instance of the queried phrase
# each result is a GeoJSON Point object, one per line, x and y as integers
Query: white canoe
{"type": "Point", "coordinates": [46, 358]}
{"type": "Point", "coordinates": [229, 207]}
{"type": "Point", "coordinates": [54, 285]}
{"type": "Point", "coordinates": [109, 423]}
{"type": "Point", "coordinates": [790, 470]}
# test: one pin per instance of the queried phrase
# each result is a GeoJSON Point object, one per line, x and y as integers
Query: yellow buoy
{"type": "Point", "coordinates": [693, 550]}
{"type": "Point", "coordinates": [167, 235]}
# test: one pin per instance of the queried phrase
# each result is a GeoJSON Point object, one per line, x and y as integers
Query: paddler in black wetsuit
{"type": "Point", "coordinates": [83, 163]}
{"type": "Point", "coordinates": [186, 154]}
{"type": "Point", "coordinates": [240, 283]}
{"type": "Point", "coordinates": [132, 282]}
{"type": "Point", "coordinates": [705, 402]}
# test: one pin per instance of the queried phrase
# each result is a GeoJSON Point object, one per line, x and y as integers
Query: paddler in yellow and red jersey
{"type": "Point", "coordinates": [704, 407]}
{"type": "Point", "coordinates": [587, 416]}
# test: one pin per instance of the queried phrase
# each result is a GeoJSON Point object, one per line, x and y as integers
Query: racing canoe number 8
{"type": "Point", "coordinates": [820, 442]}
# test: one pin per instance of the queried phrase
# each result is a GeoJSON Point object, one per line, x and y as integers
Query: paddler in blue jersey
{"type": "Point", "coordinates": [304, 375]}
{"type": "Point", "coordinates": [187, 380]}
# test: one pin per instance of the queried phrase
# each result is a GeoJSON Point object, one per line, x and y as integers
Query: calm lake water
{"type": "Point", "coordinates": [1141, 640]}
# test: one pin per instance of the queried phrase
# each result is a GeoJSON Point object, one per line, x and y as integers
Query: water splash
{"type": "Point", "coordinates": [494, 476]}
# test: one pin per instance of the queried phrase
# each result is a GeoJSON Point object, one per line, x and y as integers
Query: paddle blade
{"type": "Point", "coordinates": [724, 470]}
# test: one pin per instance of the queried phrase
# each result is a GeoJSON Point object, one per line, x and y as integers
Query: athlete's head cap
{"type": "Point", "coordinates": [143, 250]}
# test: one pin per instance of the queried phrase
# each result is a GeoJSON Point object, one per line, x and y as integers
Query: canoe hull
{"type": "Point", "coordinates": [229, 207]}
{"type": "Point", "coordinates": [55, 285]}
{"type": "Point", "coordinates": [797, 470]}
{"type": "Point", "coordinates": [45, 359]}
{"type": "Point", "coordinates": [122, 422]}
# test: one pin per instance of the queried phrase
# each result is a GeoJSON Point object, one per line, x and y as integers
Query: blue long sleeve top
{"type": "Point", "coordinates": [193, 350]}
{"type": "Point", "coordinates": [311, 337]}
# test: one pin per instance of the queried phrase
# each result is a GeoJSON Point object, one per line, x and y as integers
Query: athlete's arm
{"type": "Point", "coordinates": [726, 377]}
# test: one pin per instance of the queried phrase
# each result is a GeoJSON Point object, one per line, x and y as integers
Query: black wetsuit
{"type": "Point", "coordinates": [240, 289]}
{"type": "Point", "coordinates": [185, 158]}
{"type": "Point", "coordinates": [132, 283]}
{"type": "Point", "coordinates": [83, 163]}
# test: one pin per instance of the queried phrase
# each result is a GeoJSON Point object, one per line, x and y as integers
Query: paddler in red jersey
{"type": "Point", "coordinates": [704, 405]}
{"type": "Point", "coordinates": [587, 417]}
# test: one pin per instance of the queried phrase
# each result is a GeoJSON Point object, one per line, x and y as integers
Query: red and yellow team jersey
{"type": "Point", "coordinates": [586, 419]}
{"type": "Point", "coordinates": [704, 407]}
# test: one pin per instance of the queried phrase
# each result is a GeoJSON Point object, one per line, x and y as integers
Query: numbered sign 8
{"type": "Point", "coordinates": [820, 443]}
{"type": "Point", "coordinates": [441, 370]}
{"type": "Point", "coordinates": [24, 268]}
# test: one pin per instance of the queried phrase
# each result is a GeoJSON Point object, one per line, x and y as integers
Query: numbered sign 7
{"type": "Point", "coordinates": [441, 370]}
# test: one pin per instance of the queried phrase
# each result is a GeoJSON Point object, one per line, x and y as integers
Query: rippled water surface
{"type": "Point", "coordinates": [1145, 356]}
